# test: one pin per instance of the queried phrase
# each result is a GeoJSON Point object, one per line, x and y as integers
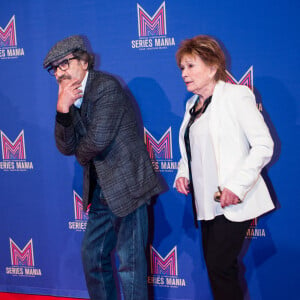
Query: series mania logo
{"type": "Point", "coordinates": [80, 216]}
{"type": "Point", "coordinates": [22, 261]}
{"type": "Point", "coordinates": [152, 30]}
{"type": "Point", "coordinates": [247, 80]}
{"type": "Point", "coordinates": [160, 151]}
{"type": "Point", "coordinates": [8, 41]}
{"type": "Point", "coordinates": [254, 232]}
{"type": "Point", "coordinates": [14, 154]}
{"type": "Point", "coordinates": [164, 270]}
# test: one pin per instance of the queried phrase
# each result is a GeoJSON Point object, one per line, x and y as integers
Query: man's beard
{"type": "Point", "coordinates": [63, 77]}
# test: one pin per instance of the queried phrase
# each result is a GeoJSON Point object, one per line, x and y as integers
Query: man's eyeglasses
{"type": "Point", "coordinates": [63, 65]}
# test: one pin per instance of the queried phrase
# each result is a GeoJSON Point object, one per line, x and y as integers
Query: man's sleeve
{"type": "Point", "coordinates": [65, 137]}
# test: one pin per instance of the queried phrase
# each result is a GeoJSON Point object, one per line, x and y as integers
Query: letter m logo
{"type": "Point", "coordinates": [253, 223]}
{"type": "Point", "coordinates": [152, 26]}
{"type": "Point", "coordinates": [247, 79]}
{"type": "Point", "coordinates": [13, 150]}
{"type": "Point", "coordinates": [8, 35]}
{"type": "Point", "coordinates": [161, 149]}
{"type": "Point", "coordinates": [22, 257]}
{"type": "Point", "coordinates": [78, 208]}
{"type": "Point", "coordinates": [164, 265]}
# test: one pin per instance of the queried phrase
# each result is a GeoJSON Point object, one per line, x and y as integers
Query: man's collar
{"type": "Point", "coordinates": [83, 83]}
{"type": "Point", "coordinates": [78, 102]}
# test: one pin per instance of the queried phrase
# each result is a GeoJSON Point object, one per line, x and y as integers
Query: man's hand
{"type": "Point", "coordinates": [228, 198]}
{"type": "Point", "coordinates": [68, 92]}
{"type": "Point", "coordinates": [182, 185]}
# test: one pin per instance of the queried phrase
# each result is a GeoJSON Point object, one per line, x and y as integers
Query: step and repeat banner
{"type": "Point", "coordinates": [42, 221]}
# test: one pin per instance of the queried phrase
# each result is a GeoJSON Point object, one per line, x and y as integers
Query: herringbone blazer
{"type": "Point", "coordinates": [104, 135]}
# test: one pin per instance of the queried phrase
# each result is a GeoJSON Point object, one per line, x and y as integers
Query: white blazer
{"type": "Point", "coordinates": [243, 146]}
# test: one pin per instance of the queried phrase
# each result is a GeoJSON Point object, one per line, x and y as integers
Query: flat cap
{"type": "Point", "coordinates": [63, 48]}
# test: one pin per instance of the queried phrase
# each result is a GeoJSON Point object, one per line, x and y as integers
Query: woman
{"type": "Point", "coordinates": [224, 144]}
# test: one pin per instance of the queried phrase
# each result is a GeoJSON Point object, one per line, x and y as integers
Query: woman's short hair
{"type": "Point", "coordinates": [85, 56]}
{"type": "Point", "coordinates": [208, 49]}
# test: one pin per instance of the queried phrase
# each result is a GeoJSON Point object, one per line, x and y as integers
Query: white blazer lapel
{"type": "Point", "coordinates": [214, 120]}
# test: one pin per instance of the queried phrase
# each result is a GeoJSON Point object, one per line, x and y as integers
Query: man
{"type": "Point", "coordinates": [96, 122]}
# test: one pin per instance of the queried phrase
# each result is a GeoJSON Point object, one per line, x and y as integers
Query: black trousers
{"type": "Point", "coordinates": [222, 242]}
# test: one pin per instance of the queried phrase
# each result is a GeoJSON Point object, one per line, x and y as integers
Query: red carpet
{"type": "Point", "coordinates": [13, 296]}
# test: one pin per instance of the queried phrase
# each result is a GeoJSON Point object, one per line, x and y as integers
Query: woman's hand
{"type": "Point", "coordinates": [182, 185]}
{"type": "Point", "coordinates": [228, 198]}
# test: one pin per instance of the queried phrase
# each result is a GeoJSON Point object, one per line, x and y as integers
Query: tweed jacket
{"type": "Point", "coordinates": [242, 147]}
{"type": "Point", "coordinates": [104, 136]}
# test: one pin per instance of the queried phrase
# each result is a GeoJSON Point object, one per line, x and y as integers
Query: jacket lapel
{"type": "Point", "coordinates": [86, 96]}
{"type": "Point", "coordinates": [215, 116]}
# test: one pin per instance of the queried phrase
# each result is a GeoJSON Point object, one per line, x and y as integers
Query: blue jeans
{"type": "Point", "coordinates": [106, 232]}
